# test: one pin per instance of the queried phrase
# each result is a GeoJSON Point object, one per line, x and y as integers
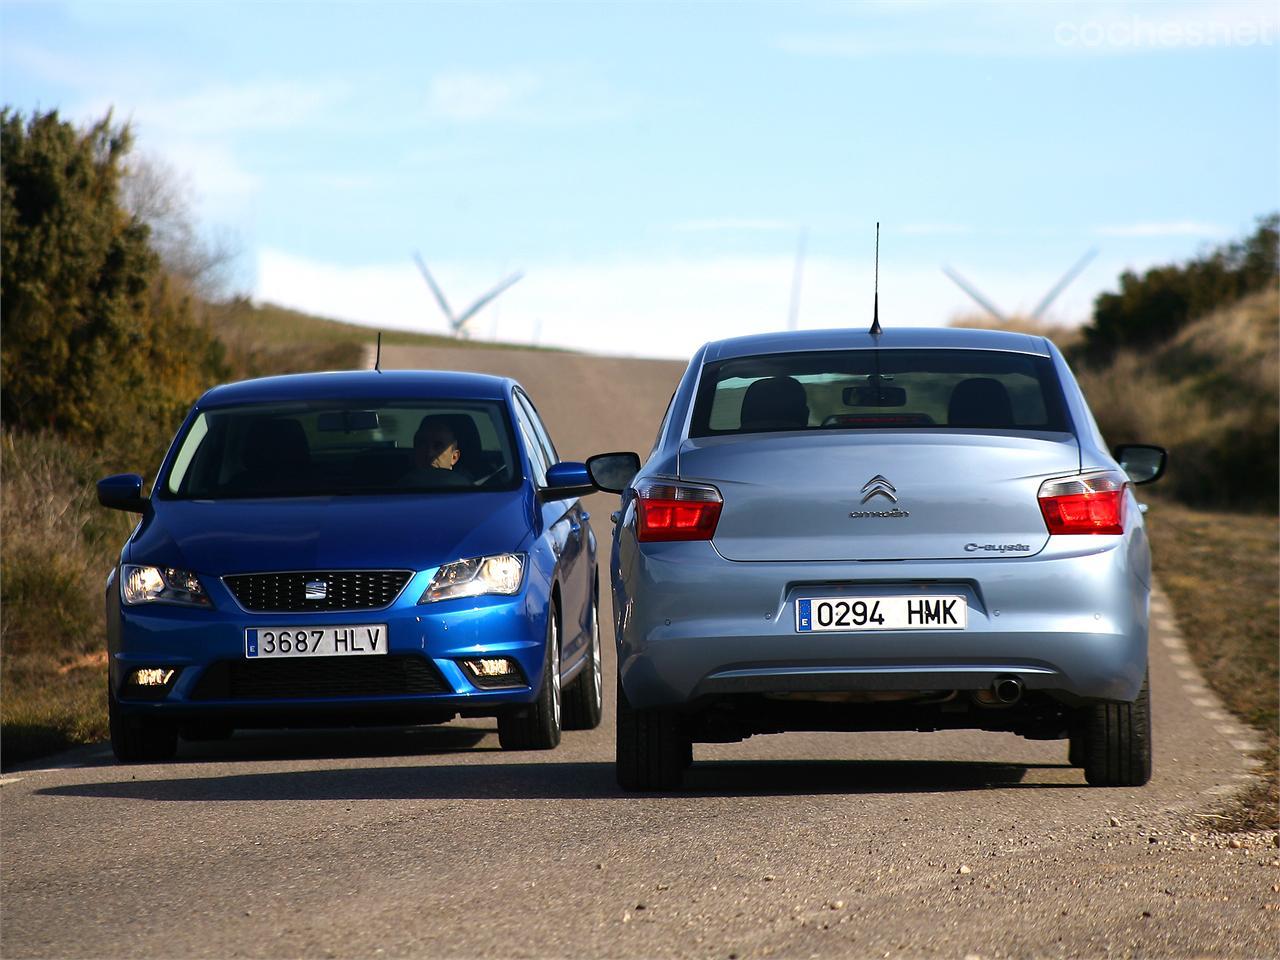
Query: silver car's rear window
{"type": "Point", "coordinates": [880, 389]}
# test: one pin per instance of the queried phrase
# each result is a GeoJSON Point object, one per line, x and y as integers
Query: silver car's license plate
{"type": "Point", "coordinates": [881, 613]}
{"type": "Point", "coordinates": [358, 640]}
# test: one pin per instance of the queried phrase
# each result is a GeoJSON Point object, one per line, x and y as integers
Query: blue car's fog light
{"type": "Point", "coordinates": [491, 672]}
{"type": "Point", "coordinates": [501, 574]}
{"type": "Point", "coordinates": [149, 683]}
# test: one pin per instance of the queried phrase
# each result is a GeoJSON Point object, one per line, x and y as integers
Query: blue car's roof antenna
{"type": "Point", "coordinates": [377, 360]}
{"type": "Point", "coordinates": [875, 330]}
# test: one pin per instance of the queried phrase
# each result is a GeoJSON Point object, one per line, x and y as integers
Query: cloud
{"type": "Point", "coordinates": [717, 224]}
{"type": "Point", "coordinates": [663, 307]}
{"type": "Point", "coordinates": [480, 96]}
{"type": "Point", "coordinates": [1179, 228]}
{"type": "Point", "coordinates": [223, 109]}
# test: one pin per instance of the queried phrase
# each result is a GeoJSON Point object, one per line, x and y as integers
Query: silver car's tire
{"type": "Point", "coordinates": [537, 726]}
{"type": "Point", "coordinates": [653, 749]}
{"type": "Point", "coordinates": [1117, 742]}
{"type": "Point", "coordinates": [584, 697]}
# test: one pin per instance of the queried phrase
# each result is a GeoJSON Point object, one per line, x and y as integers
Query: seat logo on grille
{"type": "Point", "coordinates": [317, 590]}
{"type": "Point", "coordinates": [878, 486]}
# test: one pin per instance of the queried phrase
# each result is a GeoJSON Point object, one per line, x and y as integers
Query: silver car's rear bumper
{"type": "Point", "coordinates": [690, 623]}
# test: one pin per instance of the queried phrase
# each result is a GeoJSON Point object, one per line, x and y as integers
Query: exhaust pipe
{"type": "Point", "coordinates": [1007, 690]}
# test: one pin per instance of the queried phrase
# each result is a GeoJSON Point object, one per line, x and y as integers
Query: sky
{"type": "Point", "coordinates": [654, 170]}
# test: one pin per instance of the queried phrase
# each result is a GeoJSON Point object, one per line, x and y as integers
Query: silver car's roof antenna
{"type": "Point", "coordinates": [875, 330]}
{"type": "Point", "coordinates": [377, 360]}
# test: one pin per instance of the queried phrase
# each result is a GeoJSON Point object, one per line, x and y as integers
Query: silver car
{"type": "Point", "coordinates": [909, 530]}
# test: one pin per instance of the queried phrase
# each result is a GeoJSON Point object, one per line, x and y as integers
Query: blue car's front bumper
{"type": "Point", "coordinates": [420, 675]}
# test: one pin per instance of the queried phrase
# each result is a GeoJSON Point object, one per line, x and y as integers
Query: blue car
{"type": "Point", "coordinates": [900, 530]}
{"type": "Point", "coordinates": [346, 548]}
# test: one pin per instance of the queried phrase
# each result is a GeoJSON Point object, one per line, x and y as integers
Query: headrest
{"type": "Point", "coordinates": [775, 403]}
{"type": "Point", "coordinates": [274, 444]}
{"type": "Point", "coordinates": [466, 434]}
{"type": "Point", "coordinates": [980, 402]}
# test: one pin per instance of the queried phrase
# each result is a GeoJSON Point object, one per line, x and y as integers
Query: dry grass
{"type": "Point", "coordinates": [57, 548]}
{"type": "Point", "coordinates": [1222, 574]}
{"type": "Point", "coordinates": [1066, 338]}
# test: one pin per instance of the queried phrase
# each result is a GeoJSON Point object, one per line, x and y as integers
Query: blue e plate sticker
{"type": "Point", "coordinates": [804, 616]}
{"type": "Point", "coordinates": [251, 643]}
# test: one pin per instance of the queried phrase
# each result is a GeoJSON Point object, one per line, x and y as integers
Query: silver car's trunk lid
{"type": "Point", "coordinates": [844, 495]}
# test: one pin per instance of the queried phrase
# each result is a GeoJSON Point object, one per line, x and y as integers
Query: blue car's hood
{"type": "Point", "coordinates": [332, 533]}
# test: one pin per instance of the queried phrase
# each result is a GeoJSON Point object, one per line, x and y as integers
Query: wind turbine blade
{"type": "Point", "coordinates": [1062, 284]}
{"type": "Point", "coordinates": [797, 278]}
{"type": "Point", "coordinates": [472, 310]}
{"type": "Point", "coordinates": [435, 289]}
{"type": "Point", "coordinates": [972, 291]}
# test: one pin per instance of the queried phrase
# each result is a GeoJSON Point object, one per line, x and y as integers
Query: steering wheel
{"type": "Point", "coordinates": [481, 481]}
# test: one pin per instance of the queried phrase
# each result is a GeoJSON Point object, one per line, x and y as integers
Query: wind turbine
{"type": "Point", "coordinates": [1041, 307]}
{"type": "Point", "coordinates": [458, 322]}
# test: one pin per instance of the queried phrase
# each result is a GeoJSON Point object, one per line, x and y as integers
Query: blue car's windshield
{"type": "Point", "coordinates": [880, 389]}
{"type": "Point", "coordinates": [333, 448]}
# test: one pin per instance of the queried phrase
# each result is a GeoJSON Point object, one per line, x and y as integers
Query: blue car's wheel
{"type": "Point", "coordinates": [537, 726]}
{"type": "Point", "coordinates": [139, 739]}
{"type": "Point", "coordinates": [584, 697]}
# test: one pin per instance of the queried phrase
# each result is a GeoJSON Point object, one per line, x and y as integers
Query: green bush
{"type": "Point", "coordinates": [1151, 309]}
{"type": "Point", "coordinates": [94, 337]}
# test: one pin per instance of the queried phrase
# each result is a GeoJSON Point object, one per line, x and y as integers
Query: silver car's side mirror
{"type": "Point", "coordinates": [1143, 462]}
{"type": "Point", "coordinates": [613, 472]}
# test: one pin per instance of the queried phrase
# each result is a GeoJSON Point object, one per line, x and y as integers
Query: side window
{"type": "Point", "coordinates": [544, 439]}
{"type": "Point", "coordinates": [537, 456]}
{"type": "Point", "coordinates": [662, 427]}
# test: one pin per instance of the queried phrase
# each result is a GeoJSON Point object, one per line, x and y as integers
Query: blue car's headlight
{"type": "Point", "coordinates": [501, 574]}
{"type": "Point", "coordinates": [143, 584]}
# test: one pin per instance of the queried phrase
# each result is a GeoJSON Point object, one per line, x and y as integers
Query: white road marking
{"type": "Point", "coordinates": [9, 780]}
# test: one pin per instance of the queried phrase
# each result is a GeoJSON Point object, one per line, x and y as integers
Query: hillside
{"type": "Point", "coordinates": [265, 339]}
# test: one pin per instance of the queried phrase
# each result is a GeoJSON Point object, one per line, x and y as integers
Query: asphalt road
{"type": "Point", "coordinates": [432, 842]}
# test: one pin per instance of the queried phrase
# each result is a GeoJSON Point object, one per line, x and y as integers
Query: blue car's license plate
{"type": "Point", "coordinates": [881, 613]}
{"type": "Point", "coordinates": [358, 640]}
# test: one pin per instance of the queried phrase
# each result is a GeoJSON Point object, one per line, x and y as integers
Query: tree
{"type": "Point", "coordinates": [1150, 309]}
{"type": "Point", "coordinates": [95, 338]}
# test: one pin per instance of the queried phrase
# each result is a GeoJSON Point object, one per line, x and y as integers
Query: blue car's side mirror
{"type": "Point", "coordinates": [613, 472]}
{"type": "Point", "coordinates": [123, 492]}
{"type": "Point", "coordinates": [567, 479]}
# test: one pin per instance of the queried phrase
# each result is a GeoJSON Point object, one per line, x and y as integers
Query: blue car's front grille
{"type": "Point", "coordinates": [304, 590]}
{"type": "Point", "coordinates": [318, 677]}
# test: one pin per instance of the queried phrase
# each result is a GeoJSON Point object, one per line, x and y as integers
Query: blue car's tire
{"type": "Point", "coordinates": [584, 697]}
{"type": "Point", "coordinates": [537, 726]}
{"type": "Point", "coordinates": [139, 739]}
{"type": "Point", "coordinates": [1117, 742]}
{"type": "Point", "coordinates": [653, 748]}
